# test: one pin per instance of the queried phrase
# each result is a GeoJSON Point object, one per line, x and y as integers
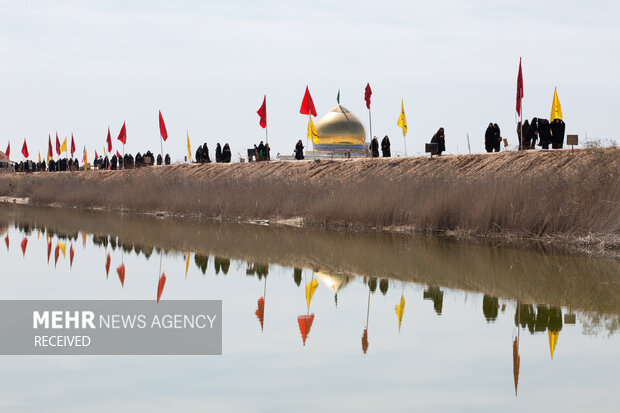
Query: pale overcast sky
{"type": "Point", "coordinates": [79, 66]}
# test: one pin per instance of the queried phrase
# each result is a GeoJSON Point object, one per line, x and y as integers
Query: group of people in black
{"type": "Point", "coordinates": [222, 155]}
{"type": "Point", "coordinates": [492, 138]}
{"type": "Point", "coordinates": [385, 147]}
{"type": "Point", "coordinates": [262, 152]}
{"type": "Point", "coordinates": [541, 130]}
{"type": "Point", "coordinates": [66, 164]}
{"type": "Point", "coordinates": [129, 162]}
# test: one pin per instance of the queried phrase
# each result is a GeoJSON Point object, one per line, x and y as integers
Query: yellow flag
{"type": "Point", "coordinates": [189, 152]}
{"type": "Point", "coordinates": [310, 289]}
{"type": "Point", "coordinates": [63, 248]}
{"type": "Point", "coordinates": [553, 341]}
{"type": "Point", "coordinates": [313, 135]}
{"type": "Point", "coordinates": [39, 156]}
{"type": "Point", "coordinates": [186, 265]}
{"type": "Point", "coordinates": [85, 158]}
{"type": "Point", "coordinates": [556, 108]}
{"type": "Point", "coordinates": [63, 147]}
{"type": "Point", "coordinates": [402, 120]}
{"type": "Point", "coordinates": [400, 310]}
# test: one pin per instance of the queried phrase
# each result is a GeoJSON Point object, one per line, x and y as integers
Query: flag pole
{"type": "Point", "coordinates": [161, 143]}
{"type": "Point", "coordinates": [370, 125]}
{"type": "Point", "coordinates": [405, 141]}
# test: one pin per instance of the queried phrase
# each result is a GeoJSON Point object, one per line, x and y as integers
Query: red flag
{"type": "Point", "coordinates": [260, 311]}
{"type": "Point", "coordinates": [6, 241]}
{"type": "Point", "coordinates": [49, 250]}
{"type": "Point", "coordinates": [367, 93]}
{"type": "Point", "coordinates": [50, 153]}
{"type": "Point", "coordinates": [262, 112]}
{"type": "Point", "coordinates": [8, 150]}
{"type": "Point", "coordinates": [121, 274]}
{"type": "Point", "coordinates": [107, 266]}
{"type": "Point", "coordinates": [307, 105]}
{"type": "Point", "coordinates": [305, 323]}
{"type": "Point", "coordinates": [25, 149]}
{"type": "Point", "coordinates": [24, 244]}
{"type": "Point", "coordinates": [72, 145]}
{"type": "Point", "coordinates": [162, 127]}
{"type": "Point", "coordinates": [122, 136]}
{"type": "Point", "coordinates": [96, 156]}
{"type": "Point", "coordinates": [71, 255]}
{"type": "Point", "coordinates": [57, 144]}
{"type": "Point", "coordinates": [118, 155]}
{"type": "Point", "coordinates": [109, 141]}
{"type": "Point", "coordinates": [160, 286]}
{"type": "Point", "coordinates": [365, 341]}
{"type": "Point", "coordinates": [519, 89]}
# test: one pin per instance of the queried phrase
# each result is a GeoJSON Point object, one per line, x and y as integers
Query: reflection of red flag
{"type": "Point", "coordinates": [367, 93]}
{"type": "Point", "coordinates": [307, 105]}
{"type": "Point", "coordinates": [57, 144]}
{"type": "Point", "coordinates": [8, 150]}
{"type": "Point", "coordinates": [519, 88]}
{"type": "Point", "coordinates": [24, 244]}
{"type": "Point", "coordinates": [121, 274]}
{"type": "Point", "coordinates": [365, 341]}
{"type": "Point", "coordinates": [516, 363]}
{"type": "Point", "coordinates": [107, 266]}
{"type": "Point", "coordinates": [162, 127]}
{"type": "Point", "coordinates": [49, 250]}
{"type": "Point", "coordinates": [109, 141]}
{"type": "Point", "coordinates": [72, 146]}
{"type": "Point", "coordinates": [122, 136]}
{"type": "Point", "coordinates": [71, 254]}
{"type": "Point", "coordinates": [260, 312]}
{"type": "Point", "coordinates": [50, 153]}
{"type": "Point", "coordinates": [6, 241]}
{"type": "Point", "coordinates": [305, 323]}
{"type": "Point", "coordinates": [56, 255]}
{"type": "Point", "coordinates": [262, 112]}
{"type": "Point", "coordinates": [160, 286]}
{"type": "Point", "coordinates": [25, 149]}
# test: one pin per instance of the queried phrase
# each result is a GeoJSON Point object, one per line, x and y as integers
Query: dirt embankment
{"type": "Point", "coordinates": [571, 194]}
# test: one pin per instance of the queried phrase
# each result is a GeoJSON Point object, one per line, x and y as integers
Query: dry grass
{"type": "Point", "coordinates": [526, 193]}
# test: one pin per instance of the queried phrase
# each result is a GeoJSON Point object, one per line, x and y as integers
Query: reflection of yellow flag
{"type": "Point", "coordinates": [402, 120]}
{"type": "Point", "coordinates": [38, 233]}
{"type": "Point", "coordinates": [63, 248]}
{"type": "Point", "coordinates": [400, 309]}
{"type": "Point", "coordinates": [63, 147]}
{"type": "Point", "coordinates": [84, 239]}
{"type": "Point", "coordinates": [310, 289]}
{"type": "Point", "coordinates": [313, 135]}
{"type": "Point", "coordinates": [186, 265]}
{"type": "Point", "coordinates": [189, 151]}
{"type": "Point", "coordinates": [553, 341]}
{"type": "Point", "coordinates": [556, 108]}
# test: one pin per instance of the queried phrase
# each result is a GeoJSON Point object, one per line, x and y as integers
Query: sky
{"type": "Point", "coordinates": [83, 66]}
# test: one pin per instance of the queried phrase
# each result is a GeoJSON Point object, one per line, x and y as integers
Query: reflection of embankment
{"type": "Point", "coordinates": [527, 276]}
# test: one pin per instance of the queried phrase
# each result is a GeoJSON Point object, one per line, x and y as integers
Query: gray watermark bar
{"type": "Point", "coordinates": [119, 327]}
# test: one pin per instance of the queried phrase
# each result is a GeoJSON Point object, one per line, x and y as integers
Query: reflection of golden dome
{"type": "Point", "coordinates": [340, 127]}
{"type": "Point", "coordinates": [334, 281]}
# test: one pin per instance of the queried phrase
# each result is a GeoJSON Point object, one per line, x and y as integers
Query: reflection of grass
{"type": "Point", "coordinates": [524, 275]}
{"type": "Point", "coordinates": [568, 194]}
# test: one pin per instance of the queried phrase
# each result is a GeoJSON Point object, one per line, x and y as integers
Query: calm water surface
{"type": "Point", "coordinates": [395, 322]}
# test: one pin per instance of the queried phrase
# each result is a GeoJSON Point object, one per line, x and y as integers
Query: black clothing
{"type": "Point", "coordinates": [374, 147]}
{"type": "Point", "coordinates": [159, 160]}
{"type": "Point", "coordinates": [488, 138]}
{"type": "Point", "coordinates": [299, 151]}
{"type": "Point", "coordinates": [226, 154]}
{"type": "Point", "coordinates": [440, 139]}
{"type": "Point", "coordinates": [558, 128]}
{"type": "Point", "coordinates": [218, 153]}
{"type": "Point", "coordinates": [199, 154]}
{"type": "Point", "coordinates": [385, 147]}
{"type": "Point", "coordinates": [544, 132]}
{"type": "Point", "coordinates": [531, 135]}
{"type": "Point", "coordinates": [167, 159]}
{"type": "Point", "coordinates": [498, 137]}
{"type": "Point", "coordinates": [260, 154]}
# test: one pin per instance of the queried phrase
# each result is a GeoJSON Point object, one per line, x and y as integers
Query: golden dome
{"type": "Point", "coordinates": [340, 127]}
